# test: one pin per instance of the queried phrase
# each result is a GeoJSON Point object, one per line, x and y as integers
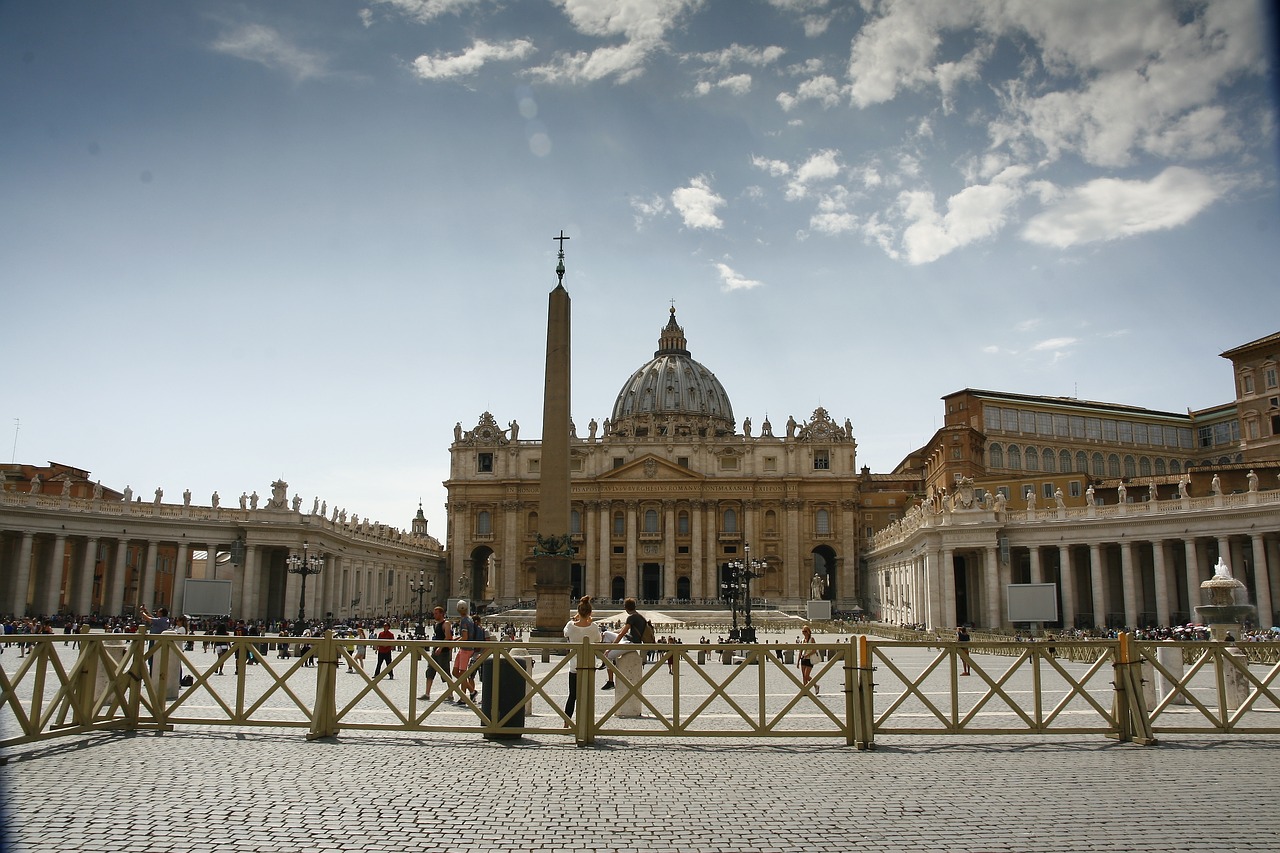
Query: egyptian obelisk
{"type": "Point", "coordinates": [553, 555]}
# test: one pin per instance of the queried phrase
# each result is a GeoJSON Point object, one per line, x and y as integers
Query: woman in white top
{"type": "Point", "coordinates": [580, 627]}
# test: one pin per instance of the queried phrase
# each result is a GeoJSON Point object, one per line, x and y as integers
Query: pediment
{"type": "Point", "coordinates": [650, 467]}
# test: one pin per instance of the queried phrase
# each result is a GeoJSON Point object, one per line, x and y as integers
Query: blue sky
{"type": "Point", "coordinates": [244, 241]}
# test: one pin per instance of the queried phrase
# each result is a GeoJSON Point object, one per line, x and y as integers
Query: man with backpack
{"type": "Point", "coordinates": [632, 632]}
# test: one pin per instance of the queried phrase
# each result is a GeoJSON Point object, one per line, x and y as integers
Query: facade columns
{"type": "Point", "coordinates": [1194, 593]}
{"type": "Point", "coordinates": [250, 576]}
{"type": "Point", "coordinates": [1160, 573]}
{"type": "Point", "coordinates": [1129, 584]}
{"type": "Point", "coordinates": [115, 604]}
{"type": "Point", "coordinates": [991, 580]}
{"type": "Point", "coordinates": [669, 549]}
{"type": "Point", "coordinates": [1261, 581]}
{"type": "Point", "coordinates": [590, 550]}
{"type": "Point", "coordinates": [1067, 586]}
{"type": "Point", "coordinates": [604, 574]}
{"type": "Point", "coordinates": [1098, 580]}
{"type": "Point", "coordinates": [510, 586]}
{"type": "Point", "coordinates": [713, 551]}
{"type": "Point", "coordinates": [23, 581]}
{"type": "Point", "coordinates": [83, 600]}
{"type": "Point", "coordinates": [632, 587]}
{"type": "Point", "coordinates": [697, 586]}
{"type": "Point", "coordinates": [948, 569]}
{"type": "Point", "coordinates": [147, 591]}
{"type": "Point", "coordinates": [793, 566]}
{"type": "Point", "coordinates": [53, 588]}
{"type": "Point", "coordinates": [180, 571]}
{"type": "Point", "coordinates": [847, 578]}
{"type": "Point", "coordinates": [1273, 562]}
{"type": "Point", "coordinates": [1037, 571]}
{"type": "Point", "coordinates": [934, 574]}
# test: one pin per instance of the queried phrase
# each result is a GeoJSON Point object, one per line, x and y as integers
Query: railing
{"type": "Point", "coordinates": [1122, 689]}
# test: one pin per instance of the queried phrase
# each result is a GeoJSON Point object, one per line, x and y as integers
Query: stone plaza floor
{"type": "Point", "coordinates": [269, 789]}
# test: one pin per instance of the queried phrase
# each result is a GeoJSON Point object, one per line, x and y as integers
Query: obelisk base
{"type": "Point", "coordinates": [552, 607]}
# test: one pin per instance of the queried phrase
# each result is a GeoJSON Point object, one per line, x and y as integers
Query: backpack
{"type": "Point", "coordinates": [649, 635]}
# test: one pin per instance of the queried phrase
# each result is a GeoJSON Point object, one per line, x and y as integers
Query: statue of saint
{"type": "Point", "coordinates": [457, 431]}
{"type": "Point", "coordinates": [186, 497]}
{"type": "Point", "coordinates": [817, 587]}
{"type": "Point", "coordinates": [97, 490]}
{"type": "Point", "coordinates": [591, 429]}
{"type": "Point", "coordinates": [128, 494]}
{"type": "Point", "coordinates": [253, 500]}
{"type": "Point", "coordinates": [1122, 493]}
{"type": "Point", "coordinates": [1253, 481]}
{"type": "Point", "coordinates": [36, 485]}
{"type": "Point", "coordinates": [746, 427]}
{"type": "Point", "coordinates": [159, 495]}
{"type": "Point", "coordinates": [315, 506]}
{"type": "Point", "coordinates": [215, 500]}
{"type": "Point", "coordinates": [1088, 495]}
{"type": "Point", "coordinates": [791, 427]}
{"type": "Point", "coordinates": [1058, 499]}
{"type": "Point", "coordinates": [66, 488]}
{"type": "Point", "coordinates": [1215, 485]}
{"type": "Point", "coordinates": [515, 430]}
{"type": "Point", "coordinates": [244, 500]}
{"type": "Point", "coordinates": [297, 503]}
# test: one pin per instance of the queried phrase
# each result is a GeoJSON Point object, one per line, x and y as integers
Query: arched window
{"type": "Point", "coordinates": [770, 522]}
{"type": "Point", "coordinates": [484, 523]}
{"type": "Point", "coordinates": [650, 521]}
{"type": "Point", "coordinates": [1082, 462]}
{"type": "Point", "coordinates": [730, 521]}
{"type": "Point", "coordinates": [619, 525]}
{"type": "Point", "coordinates": [1161, 467]}
{"type": "Point", "coordinates": [822, 522]}
{"type": "Point", "coordinates": [575, 521]}
{"type": "Point", "coordinates": [1033, 459]}
{"type": "Point", "coordinates": [533, 523]}
{"type": "Point", "coordinates": [1099, 466]}
{"type": "Point", "coordinates": [1175, 467]}
{"type": "Point", "coordinates": [1144, 466]}
{"type": "Point", "coordinates": [1113, 465]}
{"type": "Point", "coordinates": [1064, 461]}
{"type": "Point", "coordinates": [996, 452]}
{"type": "Point", "coordinates": [1130, 467]}
{"type": "Point", "coordinates": [682, 523]}
{"type": "Point", "coordinates": [1049, 459]}
{"type": "Point", "coordinates": [1015, 457]}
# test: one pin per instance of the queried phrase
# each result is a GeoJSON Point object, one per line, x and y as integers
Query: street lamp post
{"type": "Point", "coordinates": [423, 586]}
{"type": "Point", "coordinates": [304, 566]}
{"type": "Point", "coordinates": [744, 571]}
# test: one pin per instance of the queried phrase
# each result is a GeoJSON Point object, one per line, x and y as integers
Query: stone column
{"type": "Point", "coordinates": [795, 567]}
{"type": "Point", "coordinates": [1129, 585]}
{"type": "Point", "coordinates": [147, 591]}
{"type": "Point", "coordinates": [991, 578]}
{"type": "Point", "coordinates": [246, 592]}
{"type": "Point", "coordinates": [669, 549]}
{"type": "Point", "coordinates": [57, 565]}
{"type": "Point", "coordinates": [948, 569]}
{"type": "Point", "coordinates": [698, 587]}
{"type": "Point", "coordinates": [19, 605]}
{"type": "Point", "coordinates": [180, 571]}
{"type": "Point", "coordinates": [711, 557]}
{"type": "Point", "coordinates": [458, 556]}
{"type": "Point", "coordinates": [84, 587]}
{"type": "Point", "coordinates": [1273, 562]}
{"type": "Point", "coordinates": [632, 587]}
{"type": "Point", "coordinates": [1261, 580]}
{"type": "Point", "coordinates": [1194, 593]}
{"type": "Point", "coordinates": [114, 605]}
{"type": "Point", "coordinates": [1067, 585]}
{"type": "Point", "coordinates": [590, 549]}
{"type": "Point", "coordinates": [604, 565]}
{"type": "Point", "coordinates": [1098, 580]}
{"type": "Point", "coordinates": [512, 553]}
{"type": "Point", "coordinates": [1160, 573]}
{"type": "Point", "coordinates": [1037, 571]}
{"type": "Point", "coordinates": [847, 585]}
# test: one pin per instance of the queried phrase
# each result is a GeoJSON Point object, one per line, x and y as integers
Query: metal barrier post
{"type": "Point", "coordinates": [324, 717]}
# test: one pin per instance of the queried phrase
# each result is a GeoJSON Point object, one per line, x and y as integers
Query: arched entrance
{"type": "Point", "coordinates": [651, 581]}
{"type": "Point", "coordinates": [618, 588]}
{"type": "Point", "coordinates": [824, 566]}
{"type": "Point", "coordinates": [475, 580]}
{"type": "Point", "coordinates": [683, 589]}
{"type": "Point", "coordinates": [576, 582]}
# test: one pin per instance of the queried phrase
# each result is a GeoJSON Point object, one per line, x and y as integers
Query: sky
{"type": "Point", "coordinates": [300, 239]}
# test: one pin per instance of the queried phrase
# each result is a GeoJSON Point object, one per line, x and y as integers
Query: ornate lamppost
{"type": "Point", "coordinates": [744, 571]}
{"type": "Point", "coordinates": [421, 588]}
{"type": "Point", "coordinates": [304, 566]}
{"type": "Point", "coordinates": [731, 591]}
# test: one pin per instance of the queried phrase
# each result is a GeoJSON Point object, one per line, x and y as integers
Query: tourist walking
{"type": "Point", "coordinates": [962, 637]}
{"type": "Point", "coordinates": [441, 631]}
{"type": "Point", "coordinates": [805, 656]}
{"type": "Point", "coordinates": [384, 652]}
{"type": "Point", "coordinates": [462, 668]}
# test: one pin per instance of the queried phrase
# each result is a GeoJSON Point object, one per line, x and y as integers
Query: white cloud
{"type": "Point", "coordinates": [975, 213]}
{"type": "Point", "coordinates": [823, 166]}
{"type": "Point", "coordinates": [776, 168]}
{"type": "Point", "coordinates": [1027, 325]}
{"type": "Point", "coordinates": [624, 62]}
{"type": "Point", "coordinates": [824, 89]}
{"type": "Point", "coordinates": [1054, 344]}
{"type": "Point", "coordinates": [738, 84]}
{"type": "Point", "coordinates": [643, 24]}
{"type": "Point", "coordinates": [896, 50]}
{"type": "Point", "coordinates": [697, 204]}
{"type": "Point", "coordinates": [731, 280]}
{"type": "Point", "coordinates": [1111, 208]}
{"type": "Point", "coordinates": [264, 45]}
{"type": "Point", "coordinates": [738, 54]}
{"type": "Point", "coordinates": [650, 208]}
{"type": "Point", "coordinates": [426, 10]}
{"type": "Point", "coordinates": [470, 60]}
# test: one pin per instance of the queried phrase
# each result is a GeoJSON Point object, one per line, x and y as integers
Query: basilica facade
{"type": "Point", "coordinates": [666, 493]}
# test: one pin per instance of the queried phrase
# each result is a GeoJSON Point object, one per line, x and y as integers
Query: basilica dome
{"type": "Point", "coordinates": [672, 394]}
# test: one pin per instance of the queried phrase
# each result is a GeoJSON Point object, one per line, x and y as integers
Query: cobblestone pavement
{"type": "Point", "coordinates": [271, 790]}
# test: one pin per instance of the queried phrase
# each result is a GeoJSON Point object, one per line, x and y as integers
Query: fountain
{"type": "Point", "coordinates": [1222, 614]}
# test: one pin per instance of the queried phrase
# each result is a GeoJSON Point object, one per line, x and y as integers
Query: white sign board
{"type": "Point", "coordinates": [1032, 602]}
{"type": "Point", "coordinates": [206, 598]}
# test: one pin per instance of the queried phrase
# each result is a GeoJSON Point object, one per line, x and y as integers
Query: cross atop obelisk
{"type": "Point", "coordinates": [553, 556]}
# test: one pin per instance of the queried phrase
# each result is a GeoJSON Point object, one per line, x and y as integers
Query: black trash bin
{"type": "Point", "coordinates": [504, 682]}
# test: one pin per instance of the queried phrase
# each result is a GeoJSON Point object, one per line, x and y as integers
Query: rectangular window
{"type": "Point", "coordinates": [619, 549]}
{"type": "Point", "coordinates": [1124, 431]}
{"type": "Point", "coordinates": [1093, 428]}
{"type": "Point", "coordinates": [1010, 418]}
{"type": "Point", "coordinates": [682, 549]}
{"type": "Point", "coordinates": [1044, 423]}
{"type": "Point", "coordinates": [1184, 438]}
{"type": "Point", "coordinates": [1221, 434]}
{"type": "Point", "coordinates": [728, 463]}
{"type": "Point", "coordinates": [617, 462]}
{"type": "Point", "coordinates": [821, 460]}
{"type": "Point", "coordinates": [1074, 488]}
{"type": "Point", "coordinates": [1109, 431]}
{"type": "Point", "coordinates": [1048, 490]}
{"type": "Point", "coordinates": [1140, 434]}
{"type": "Point", "coordinates": [1027, 421]}
{"type": "Point", "coordinates": [1157, 435]}
{"type": "Point", "coordinates": [1270, 376]}
{"type": "Point", "coordinates": [535, 465]}
{"type": "Point", "coordinates": [771, 463]}
{"type": "Point", "coordinates": [990, 418]}
{"type": "Point", "coordinates": [869, 531]}
{"type": "Point", "coordinates": [1253, 429]}
{"type": "Point", "coordinates": [1206, 436]}
{"type": "Point", "coordinates": [484, 463]}
{"type": "Point", "coordinates": [682, 461]}
{"type": "Point", "coordinates": [1246, 384]}
{"type": "Point", "coordinates": [1060, 428]}
{"type": "Point", "coordinates": [575, 464]}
